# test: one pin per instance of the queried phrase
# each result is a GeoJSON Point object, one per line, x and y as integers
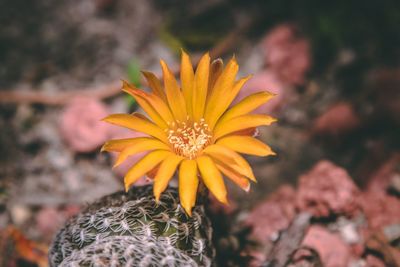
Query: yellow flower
{"type": "Point", "coordinates": [192, 128]}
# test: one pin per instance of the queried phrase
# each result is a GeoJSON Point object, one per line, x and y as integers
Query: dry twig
{"type": "Point", "coordinates": [60, 98]}
{"type": "Point", "coordinates": [288, 242]}
{"type": "Point", "coordinates": [103, 91]}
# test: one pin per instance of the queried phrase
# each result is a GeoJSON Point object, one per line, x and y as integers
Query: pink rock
{"type": "Point", "coordinates": [380, 209]}
{"type": "Point", "coordinates": [81, 124]}
{"type": "Point", "coordinates": [264, 81]}
{"type": "Point", "coordinates": [287, 54]}
{"type": "Point", "coordinates": [48, 220]}
{"type": "Point", "coordinates": [333, 251]}
{"type": "Point", "coordinates": [304, 257]}
{"type": "Point", "coordinates": [71, 210]}
{"type": "Point", "coordinates": [337, 120]}
{"type": "Point", "coordinates": [380, 179]}
{"type": "Point", "coordinates": [273, 214]}
{"type": "Point", "coordinates": [257, 258]}
{"type": "Point", "coordinates": [373, 261]}
{"type": "Point", "coordinates": [327, 190]}
{"type": "Point", "coordinates": [358, 249]}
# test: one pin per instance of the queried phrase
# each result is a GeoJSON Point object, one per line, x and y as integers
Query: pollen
{"type": "Point", "coordinates": [189, 138]}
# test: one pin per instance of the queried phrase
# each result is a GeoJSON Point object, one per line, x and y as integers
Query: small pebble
{"type": "Point", "coordinates": [20, 214]}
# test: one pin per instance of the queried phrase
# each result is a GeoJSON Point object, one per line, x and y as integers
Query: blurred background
{"type": "Point", "coordinates": [334, 66]}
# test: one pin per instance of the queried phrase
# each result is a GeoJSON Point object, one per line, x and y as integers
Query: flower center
{"type": "Point", "coordinates": [189, 138]}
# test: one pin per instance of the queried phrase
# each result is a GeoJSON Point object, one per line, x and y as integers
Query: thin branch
{"type": "Point", "coordinates": [288, 242]}
{"type": "Point", "coordinates": [60, 98]}
{"type": "Point", "coordinates": [103, 91]}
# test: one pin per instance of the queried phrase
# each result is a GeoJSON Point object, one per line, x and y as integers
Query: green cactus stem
{"type": "Point", "coordinates": [131, 229]}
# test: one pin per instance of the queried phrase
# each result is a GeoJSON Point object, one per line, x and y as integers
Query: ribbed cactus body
{"type": "Point", "coordinates": [131, 229]}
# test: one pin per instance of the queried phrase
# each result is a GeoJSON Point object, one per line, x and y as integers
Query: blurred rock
{"type": "Point", "coordinates": [348, 227]}
{"type": "Point", "coordinates": [72, 179]}
{"type": "Point", "coordinates": [59, 158]}
{"type": "Point", "coordinates": [378, 245]}
{"type": "Point", "coordinates": [333, 251]}
{"type": "Point", "coordinates": [272, 215]}
{"type": "Point", "coordinates": [392, 232]}
{"type": "Point", "coordinates": [327, 190]}
{"type": "Point", "coordinates": [374, 261]}
{"type": "Point", "coordinates": [305, 257]}
{"type": "Point", "coordinates": [339, 119]}
{"type": "Point", "coordinates": [48, 220]}
{"type": "Point", "coordinates": [349, 233]}
{"type": "Point", "coordinates": [257, 258]}
{"type": "Point", "coordinates": [394, 185]}
{"type": "Point", "coordinates": [353, 232]}
{"type": "Point", "coordinates": [20, 214]}
{"type": "Point", "coordinates": [380, 209]}
{"type": "Point", "coordinates": [81, 124]}
{"type": "Point", "coordinates": [382, 178]}
{"type": "Point", "coordinates": [71, 210]}
{"type": "Point", "coordinates": [287, 54]}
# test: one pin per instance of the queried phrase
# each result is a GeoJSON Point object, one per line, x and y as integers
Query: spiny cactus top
{"type": "Point", "coordinates": [191, 127]}
{"type": "Point", "coordinates": [131, 229]}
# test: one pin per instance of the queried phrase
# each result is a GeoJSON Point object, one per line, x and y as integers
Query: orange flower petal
{"type": "Point", "coordinates": [157, 105]}
{"type": "Point", "coordinates": [146, 144]}
{"type": "Point", "coordinates": [246, 145]}
{"type": "Point", "coordinates": [240, 123]}
{"type": "Point", "coordinates": [175, 98]}
{"type": "Point", "coordinates": [137, 123]}
{"type": "Point", "coordinates": [231, 158]}
{"type": "Point", "coordinates": [155, 85]}
{"type": "Point", "coordinates": [212, 178]}
{"type": "Point", "coordinates": [165, 173]}
{"type": "Point", "coordinates": [235, 177]}
{"type": "Point", "coordinates": [219, 97]}
{"type": "Point", "coordinates": [247, 132]}
{"type": "Point", "coordinates": [146, 164]}
{"type": "Point", "coordinates": [200, 87]}
{"type": "Point", "coordinates": [117, 145]}
{"type": "Point", "coordinates": [247, 105]}
{"type": "Point", "coordinates": [153, 172]}
{"type": "Point", "coordinates": [147, 107]}
{"type": "Point", "coordinates": [188, 183]}
{"type": "Point", "coordinates": [187, 80]}
{"type": "Point", "coordinates": [216, 69]}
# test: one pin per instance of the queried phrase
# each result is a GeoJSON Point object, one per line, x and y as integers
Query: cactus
{"type": "Point", "coordinates": [131, 229]}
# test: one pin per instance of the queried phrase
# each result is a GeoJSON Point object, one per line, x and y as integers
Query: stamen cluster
{"type": "Point", "coordinates": [189, 138]}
